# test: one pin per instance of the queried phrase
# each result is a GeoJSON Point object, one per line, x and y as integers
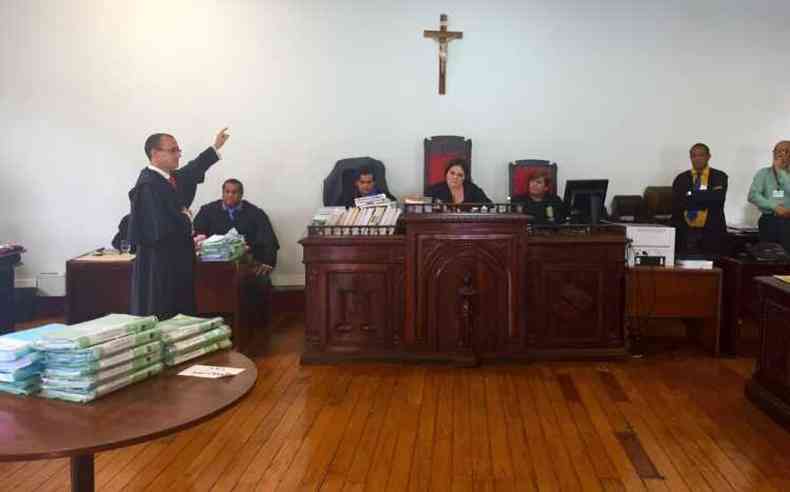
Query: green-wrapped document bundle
{"type": "Point", "coordinates": [103, 350]}
{"type": "Point", "coordinates": [206, 349]}
{"type": "Point", "coordinates": [187, 337]}
{"type": "Point", "coordinates": [94, 332]}
{"type": "Point", "coordinates": [85, 396]}
{"type": "Point", "coordinates": [90, 381]}
{"type": "Point", "coordinates": [197, 341]}
{"type": "Point", "coordinates": [23, 387]}
{"type": "Point", "coordinates": [181, 326]}
{"type": "Point", "coordinates": [57, 370]}
{"type": "Point", "coordinates": [20, 365]}
{"type": "Point", "coordinates": [20, 343]}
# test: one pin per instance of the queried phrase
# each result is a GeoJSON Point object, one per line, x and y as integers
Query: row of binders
{"type": "Point", "coordinates": [353, 221]}
{"type": "Point", "coordinates": [85, 361]}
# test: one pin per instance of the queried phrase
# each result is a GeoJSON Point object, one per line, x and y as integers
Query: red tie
{"type": "Point", "coordinates": [172, 180]}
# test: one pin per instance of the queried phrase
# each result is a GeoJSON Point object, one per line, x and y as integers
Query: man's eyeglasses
{"type": "Point", "coordinates": [174, 150]}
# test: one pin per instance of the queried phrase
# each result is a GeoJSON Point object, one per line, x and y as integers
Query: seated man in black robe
{"type": "Point", "coordinates": [160, 228]}
{"type": "Point", "coordinates": [698, 207]}
{"type": "Point", "coordinates": [543, 206]}
{"type": "Point", "coordinates": [364, 184]}
{"type": "Point", "coordinates": [231, 211]}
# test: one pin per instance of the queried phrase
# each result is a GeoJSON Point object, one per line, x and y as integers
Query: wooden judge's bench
{"type": "Point", "coordinates": [465, 287]}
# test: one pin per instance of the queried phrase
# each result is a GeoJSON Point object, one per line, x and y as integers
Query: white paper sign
{"type": "Point", "coordinates": [210, 372]}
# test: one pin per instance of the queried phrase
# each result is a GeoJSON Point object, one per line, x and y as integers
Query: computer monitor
{"type": "Point", "coordinates": [585, 198]}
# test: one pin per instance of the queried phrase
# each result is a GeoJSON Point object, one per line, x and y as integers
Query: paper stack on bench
{"type": "Point", "coordinates": [20, 365]}
{"type": "Point", "coordinates": [85, 361]}
{"type": "Point", "coordinates": [187, 337]}
{"type": "Point", "coordinates": [227, 247]}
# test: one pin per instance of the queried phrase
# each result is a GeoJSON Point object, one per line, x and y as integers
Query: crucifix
{"type": "Point", "coordinates": [443, 36]}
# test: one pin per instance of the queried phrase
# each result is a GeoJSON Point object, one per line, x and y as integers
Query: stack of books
{"type": "Point", "coordinates": [227, 247]}
{"type": "Point", "coordinates": [88, 360]}
{"type": "Point", "coordinates": [369, 220]}
{"type": "Point", "coordinates": [379, 200]}
{"type": "Point", "coordinates": [326, 215]}
{"type": "Point", "coordinates": [20, 365]}
{"type": "Point", "coordinates": [187, 337]}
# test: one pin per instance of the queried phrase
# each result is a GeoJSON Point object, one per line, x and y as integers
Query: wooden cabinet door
{"type": "Point", "coordinates": [467, 288]}
{"type": "Point", "coordinates": [361, 307]}
{"type": "Point", "coordinates": [574, 300]}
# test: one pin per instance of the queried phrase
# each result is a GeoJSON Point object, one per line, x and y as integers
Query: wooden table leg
{"type": "Point", "coordinates": [82, 473]}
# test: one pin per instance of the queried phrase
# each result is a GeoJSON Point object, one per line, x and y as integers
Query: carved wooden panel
{"type": "Point", "coordinates": [574, 301]}
{"type": "Point", "coordinates": [573, 311]}
{"type": "Point", "coordinates": [354, 297]}
{"type": "Point", "coordinates": [465, 293]}
{"type": "Point", "coordinates": [357, 313]}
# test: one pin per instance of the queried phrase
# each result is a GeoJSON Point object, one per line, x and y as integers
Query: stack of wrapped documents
{"type": "Point", "coordinates": [227, 247]}
{"type": "Point", "coordinates": [187, 337]}
{"type": "Point", "coordinates": [85, 361]}
{"type": "Point", "coordinates": [20, 365]}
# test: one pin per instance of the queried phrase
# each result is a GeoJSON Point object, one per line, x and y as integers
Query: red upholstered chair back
{"type": "Point", "coordinates": [521, 172]}
{"type": "Point", "coordinates": [439, 151]}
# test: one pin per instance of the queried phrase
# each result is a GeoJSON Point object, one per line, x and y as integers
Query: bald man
{"type": "Point", "coordinates": [698, 207]}
{"type": "Point", "coordinates": [770, 192]}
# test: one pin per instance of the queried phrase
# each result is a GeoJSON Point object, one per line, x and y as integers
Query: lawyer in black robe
{"type": "Point", "coordinates": [161, 230]}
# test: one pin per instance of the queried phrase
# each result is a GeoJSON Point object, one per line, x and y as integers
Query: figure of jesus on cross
{"type": "Point", "coordinates": [443, 36]}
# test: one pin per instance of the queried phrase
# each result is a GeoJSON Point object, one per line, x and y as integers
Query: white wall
{"type": "Point", "coordinates": [607, 89]}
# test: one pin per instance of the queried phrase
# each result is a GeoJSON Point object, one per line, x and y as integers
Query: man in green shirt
{"type": "Point", "coordinates": [770, 192]}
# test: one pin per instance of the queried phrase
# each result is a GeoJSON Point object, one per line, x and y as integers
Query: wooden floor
{"type": "Point", "coordinates": [673, 421]}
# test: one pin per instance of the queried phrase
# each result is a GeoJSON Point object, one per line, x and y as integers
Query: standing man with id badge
{"type": "Point", "coordinates": [770, 192]}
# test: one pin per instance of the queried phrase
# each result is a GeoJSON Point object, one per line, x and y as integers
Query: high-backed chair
{"type": "Point", "coordinates": [658, 204]}
{"type": "Point", "coordinates": [628, 208]}
{"type": "Point", "coordinates": [522, 170]}
{"type": "Point", "coordinates": [440, 150]}
{"type": "Point", "coordinates": [339, 184]}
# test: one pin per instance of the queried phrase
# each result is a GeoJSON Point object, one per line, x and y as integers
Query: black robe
{"type": "Point", "coordinates": [162, 272]}
{"type": "Point", "coordinates": [472, 193]}
{"type": "Point", "coordinates": [122, 234]}
{"type": "Point", "coordinates": [537, 209]}
{"type": "Point", "coordinates": [251, 222]}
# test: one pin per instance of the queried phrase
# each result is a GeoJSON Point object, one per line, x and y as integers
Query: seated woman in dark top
{"type": "Point", "coordinates": [456, 189]}
{"type": "Point", "coordinates": [545, 207]}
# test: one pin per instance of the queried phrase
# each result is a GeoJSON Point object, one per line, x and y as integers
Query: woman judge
{"type": "Point", "coordinates": [456, 189]}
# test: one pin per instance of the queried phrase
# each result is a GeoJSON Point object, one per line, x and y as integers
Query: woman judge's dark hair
{"type": "Point", "coordinates": [458, 161]}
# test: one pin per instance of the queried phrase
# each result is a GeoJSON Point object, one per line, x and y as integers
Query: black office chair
{"type": "Point", "coordinates": [340, 181]}
{"type": "Point", "coordinates": [628, 208]}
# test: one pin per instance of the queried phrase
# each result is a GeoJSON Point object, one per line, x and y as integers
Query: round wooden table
{"type": "Point", "coordinates": [34, 428]}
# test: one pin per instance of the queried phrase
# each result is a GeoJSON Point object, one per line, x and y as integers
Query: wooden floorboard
{"type": "Point", "coordinates": [674, 421]}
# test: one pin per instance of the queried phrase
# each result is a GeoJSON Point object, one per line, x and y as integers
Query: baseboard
{"type": "Point", "coordinates": [285, 280]}
{"type": "Point", "coordinates": [50, 307]}
{"type": "Point", "coordinates": [24, 283]}
{"type": "Point", "coordinates": [287, 299]}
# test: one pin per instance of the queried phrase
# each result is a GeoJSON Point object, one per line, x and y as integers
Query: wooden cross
{"type": "Point", "coordinates": [444, 37]}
